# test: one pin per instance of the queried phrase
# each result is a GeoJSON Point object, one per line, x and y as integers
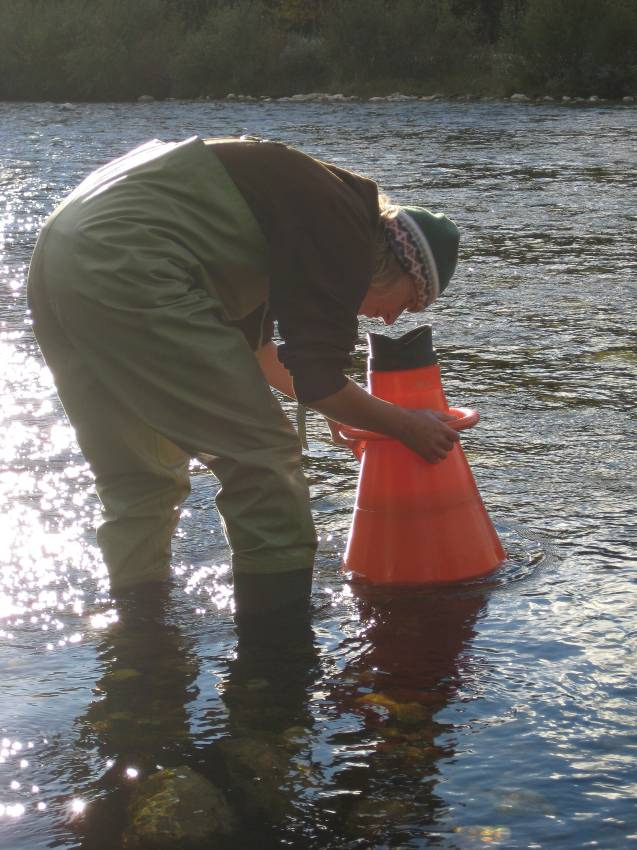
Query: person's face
{"type": "Point", "coordinates": [390, 303]}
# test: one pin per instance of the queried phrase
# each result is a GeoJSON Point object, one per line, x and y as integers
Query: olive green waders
{"type": "Point", "coordinates": [132, 284]}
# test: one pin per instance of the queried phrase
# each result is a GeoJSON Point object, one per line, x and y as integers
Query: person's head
{"type": "Point", "coordinates": [416, 255]}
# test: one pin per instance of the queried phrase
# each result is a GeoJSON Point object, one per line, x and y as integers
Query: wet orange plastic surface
{"type": "Point", "coordinates": [416, 522]}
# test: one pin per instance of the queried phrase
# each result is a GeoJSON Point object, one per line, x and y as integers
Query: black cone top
{"type": "Point", "coordinates": [413, 350]}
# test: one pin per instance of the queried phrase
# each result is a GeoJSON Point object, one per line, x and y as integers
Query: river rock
{"type": "Point", "coordinates": [520, 98]}
{"type": "Point", "coordinates": [257, 769]}
{"type": "Point", "coordinates": [176, 808]}
{"type": "Point", "coordinates": [517, 801]}
{"type": "Point", "coordinates": [145, 98]}
{"type": "Point", "coordinates": [628, 99]}
{"type": "Point", "coordinates": [484, 834]}
{"type": "Point", "coordinates": [410, 714]}
{"type": "Point", "coordinates": [294, 738]}
{"type": "Point", "coordinates": [369, 818]}
{"type": "Point", "coordinates": [315, 96]}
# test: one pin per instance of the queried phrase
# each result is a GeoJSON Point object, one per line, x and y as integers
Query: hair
{"type": "Point", "coordinates": [387, 269]}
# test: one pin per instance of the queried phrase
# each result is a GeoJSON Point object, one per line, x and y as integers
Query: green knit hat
{"type": "Point", "coordinates": [426, 246]}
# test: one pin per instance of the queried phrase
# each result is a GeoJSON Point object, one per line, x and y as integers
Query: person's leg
{"type": "Point", "coordinates": [141, 477]}
{"type": "Point", "coordinates": [161, 347]}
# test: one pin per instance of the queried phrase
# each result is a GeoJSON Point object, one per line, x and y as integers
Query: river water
{"type": "Point", "coordinates": [501, 713]}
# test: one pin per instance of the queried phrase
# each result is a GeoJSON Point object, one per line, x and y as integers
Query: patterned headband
{"type": "Point", "coordinates": [413, 252]}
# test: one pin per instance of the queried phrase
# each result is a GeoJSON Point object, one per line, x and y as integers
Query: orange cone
{"type": "Point", "coordinates": [416, 522]}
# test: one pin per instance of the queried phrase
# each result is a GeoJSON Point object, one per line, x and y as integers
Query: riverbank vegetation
{"type": "Point", "coordinates": [120, 49]}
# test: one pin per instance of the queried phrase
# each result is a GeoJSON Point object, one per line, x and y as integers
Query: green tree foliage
{"type": "Point", "coordinates": [298, 15]}
{"type": "Point", "coordinates": [486, 13]}
{"type": "Point", "coordinates": [85, 49]}
{"type": "Point", "coordinates": [119, 49]}
{"type": "Point", "coordinates": [236, 48]}
{"type": "Point", "coordinates": [34, 39]}
{"type": "Point", "coordinates": [414, 40]}
{"type": "Point", "coordinates": [574, 46]}
{"type": "Point", "coordinates": [118, 55]}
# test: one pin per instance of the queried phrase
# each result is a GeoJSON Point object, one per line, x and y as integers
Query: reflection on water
{"type": "Point", "coordinates": [499, 713]}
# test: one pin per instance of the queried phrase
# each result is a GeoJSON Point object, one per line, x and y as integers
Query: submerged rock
{"type": "Point", "coordinates": [176, 808]}
{"type": "Point", "coordinates": [404, 713]}
{"type": "Point", "coordinates": [295, 737]}
{"type": "Point", "coordinates": [257, 770]}
{"type": "Point", "coordinates": [484, 834]}
{"type": "Point", "coordinates": [516, 801]}
{"type": "Point", "coordinates": [372, 817]}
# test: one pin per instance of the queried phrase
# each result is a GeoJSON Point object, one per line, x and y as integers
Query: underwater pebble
{"type": "Point", "coordinates": [176, 807]}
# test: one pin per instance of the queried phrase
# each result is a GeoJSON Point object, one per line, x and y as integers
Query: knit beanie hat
{"type": "Point", "coordinates": [426, 246]}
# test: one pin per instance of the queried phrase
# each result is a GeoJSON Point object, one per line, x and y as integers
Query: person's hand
{"type": "Point", "coordinates": [337, 438]}
{"type": "Point", "coordinates": [426, 433]}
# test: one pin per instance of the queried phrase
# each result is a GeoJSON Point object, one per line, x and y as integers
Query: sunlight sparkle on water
{"type": "Point", "coordinates": [104, 619]}
{"type": "Point", "coordinates": [77, 806]}
{"type": "Point", "coordinates": [14, 811]}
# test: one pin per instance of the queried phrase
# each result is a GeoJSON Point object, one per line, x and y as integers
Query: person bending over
{"type": "Point", "coordinates": [154, 288]}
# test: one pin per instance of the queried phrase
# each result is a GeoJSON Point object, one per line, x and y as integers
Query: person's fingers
{"type": "Point", "coordinates": [451, 433]}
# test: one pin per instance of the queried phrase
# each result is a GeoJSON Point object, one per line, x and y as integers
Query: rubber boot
{"type": "Point", "coordinates": [261, 594]}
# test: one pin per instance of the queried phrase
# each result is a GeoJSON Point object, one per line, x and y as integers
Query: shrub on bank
{"type": "Point", "coordinates": [120, 49]}
{"type": "Point", "coordinates": [579, 47]}
{"type": "Point", "coordinates": [83, 50]}
{"type": "Point", "coordinates": [34, 39]}
{"type": "Point", "coordinates": [119, 55]}
{"type": "Point", "coordinates": [237, 48]}
{"type": "Point", "coordinates": [304, 65]}
{"type": "Point", "coordinates": [421, 41]}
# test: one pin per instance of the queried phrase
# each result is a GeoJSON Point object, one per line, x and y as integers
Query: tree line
{"type": "Point", "coordinates": [99, 50]}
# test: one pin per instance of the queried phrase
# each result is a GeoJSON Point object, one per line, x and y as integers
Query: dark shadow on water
{"type": "Point", "coordinates": [138, 719]}
{"type": "Point", "coordinates": [356, 766]}
{"type": "Point", "coordinates": [415, 654]}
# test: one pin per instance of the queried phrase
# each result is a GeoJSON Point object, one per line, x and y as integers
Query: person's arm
{"type": "Point", "coordinates": [274, 371]}
{"type": "Point", "coordinates": [280, 379]}
{"type": "Point", "coordinates": [422, 431]}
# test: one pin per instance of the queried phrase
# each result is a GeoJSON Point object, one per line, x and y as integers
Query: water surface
{"type": "Point", "coordinates": [503, 713]}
